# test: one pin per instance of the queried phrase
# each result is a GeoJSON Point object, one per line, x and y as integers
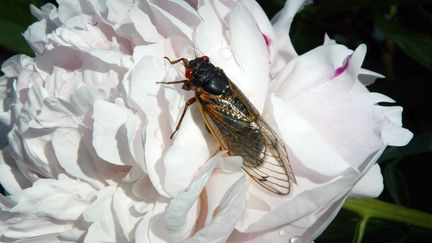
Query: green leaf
{"type": "Point", "coordinates": [11, 38]}
{"type": "Point", "coordinates": [416, 45]}
{"type": "Point", "coordinates": [323, 9]}
{"type": "Point", "coordinates": [15, 17]}
{"type": "Point", "coordinates": [373, 208]}
{"type": "Point", "coordinates": [395, 183]}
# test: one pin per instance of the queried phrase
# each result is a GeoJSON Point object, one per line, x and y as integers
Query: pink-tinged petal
{"type": "Point", "coordinates": [109, 135]}
{"type": "Point", "coordinates": [302, 137]}
{"type": "Point", "coordinates": [230, 211]}
{"type": "Point", "coordinates": [308, 70]}
{"type": "Point", "coordinates": [245, 36]}
{"type": "Point", "coordinates": [340, 69]}
{"type": "Point", "coordinates": [370, 185]}
{"type": "Point", "coordinates": [178, 211]}
{"type": "Point", "coordinates": [261, 20]}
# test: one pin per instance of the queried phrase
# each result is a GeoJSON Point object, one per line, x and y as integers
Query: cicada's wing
{"type": "Point", "coordinates": [237, 125]}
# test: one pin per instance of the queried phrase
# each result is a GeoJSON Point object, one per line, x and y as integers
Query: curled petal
{"type": "Point", "coordinates": [230, 211]}
{"type": "Point", "coordinates": [177, 211]}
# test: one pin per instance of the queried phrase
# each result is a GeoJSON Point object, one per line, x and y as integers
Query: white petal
{"type": "Point", "coordinates": [144, 26]}
{"type": "Point", "coordinates": [246, 36]}
{"type": "Point", "coordinates": [11, 178]}
{"type": "Point", "coordinates": [209, 34]}
{"type": "Point", "coordinates": [368, 77]}
{"type": "Point", "coordinates": [169, 24]}
{"type": "Point", "coordinates": [57, 199]}
{"type": "Point", "coordinates": [396, 136]}
{"type": "Point", "coordinates": [356, 60]}
{"type": "Point", "coordinates": [99, 214]}
{"type": "Point", "coordinates": [73, 157]}
{"type": "Point", "coordinates": [192, 146]}
{"type": "Point", "coordinates": [55, 112]}
{"type": "Point", "coordinates": [145, 233]}
{"type": "Point", "coordinates": [370, 185]}
{"type": "Point", "coordinates": [141, 88]}
{"type": "Point", "coordinates": [302, 138]}
{"type": "Point", "coordinates": [231, 163]}
{"type": "Point", "coordinates": [14, 65]}
{"type": "Point", "coordinates": [282, 50]}
{"type": "Point", "coordinates": [109, 140]}
{"type": "Point", "coordinates": [301, 205]}
{"type": "Point", "coordinates": [118, 10]}
{"type": "Point", "coordinates": [328, 41]}
{"type": "Point", "coordinates": [123, 203]}
{"type": "Point", "coordinates": [84, 97]}
{"type": "Point", "coordinates": [135, 129]}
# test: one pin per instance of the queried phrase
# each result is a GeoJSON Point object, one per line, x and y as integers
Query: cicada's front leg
{"type": "Point", "coordinates": [188, 103]}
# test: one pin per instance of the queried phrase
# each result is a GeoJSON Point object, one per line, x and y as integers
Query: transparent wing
{"type": "Point", "coordinates": [243, 132]}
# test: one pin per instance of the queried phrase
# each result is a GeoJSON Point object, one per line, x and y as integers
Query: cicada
{"type": "Point", "coordinates": [236, 124]}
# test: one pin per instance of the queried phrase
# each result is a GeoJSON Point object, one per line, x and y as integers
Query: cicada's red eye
{"type": "Point", "coordinates": [188, 73]}
{"type": "Point", "coordinates": [205, 58]}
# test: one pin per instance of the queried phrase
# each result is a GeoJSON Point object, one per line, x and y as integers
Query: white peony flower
{"type": "Point", "coordinates": [89, 156]}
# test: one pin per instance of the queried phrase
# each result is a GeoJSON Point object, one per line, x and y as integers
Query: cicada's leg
{"type": "Point", "coordinates": [188, 103]}
{"type": "Point", "coordinates": [184, 60]}
{"type": "Point", "coordinates": [174, 82]}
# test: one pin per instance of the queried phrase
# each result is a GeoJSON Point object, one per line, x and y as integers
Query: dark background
{"type": "Point", "coordinates": [398, 34]}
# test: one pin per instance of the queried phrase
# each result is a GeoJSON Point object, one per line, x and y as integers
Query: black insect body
{"type": "Point", "coordinates": [236, 125]}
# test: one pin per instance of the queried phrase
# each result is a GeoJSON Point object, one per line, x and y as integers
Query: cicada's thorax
{"type": "Point", "coordinates": [213, 81]}
{"type": "Point", "coordinates": [208, 77]}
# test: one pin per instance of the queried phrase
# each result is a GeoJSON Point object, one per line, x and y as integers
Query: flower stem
{"type": "Point", "coordinates": [360, 230]}
{"type": "Point", "coordinates": [373, 208]}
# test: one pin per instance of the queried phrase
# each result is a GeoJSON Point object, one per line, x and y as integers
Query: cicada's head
{"type": "Point", "coordinates": [197, 70]}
